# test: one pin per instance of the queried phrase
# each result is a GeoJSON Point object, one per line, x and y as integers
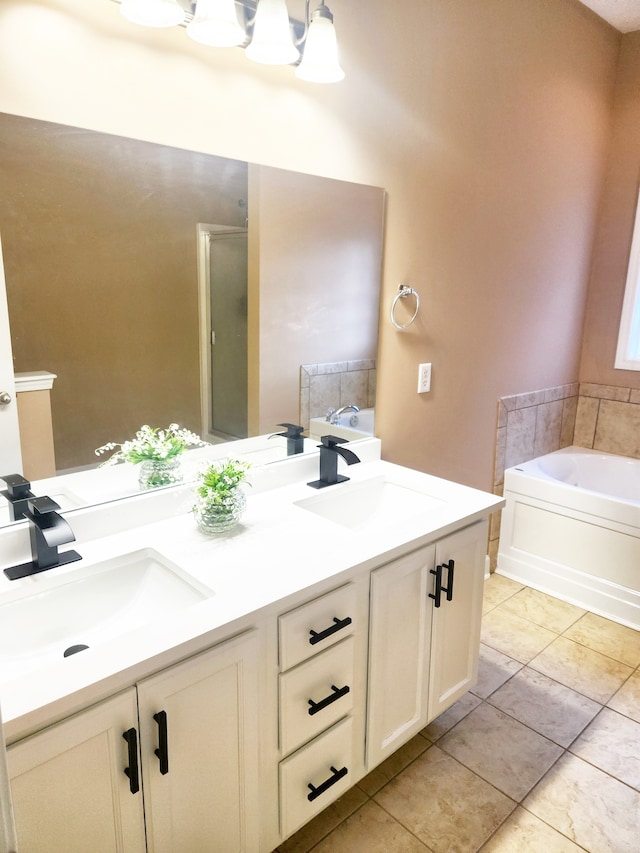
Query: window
{"type": "Point", "coordinates": [628, 352]}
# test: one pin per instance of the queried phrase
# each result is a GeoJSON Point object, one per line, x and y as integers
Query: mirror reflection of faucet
{"type": "Point", "coordinates": [47, 530]}
{"type": "Point", "coordinates": [329, 451]}
{"type": "Point", "coordinates": [295, 439]}
{"type": "Point", "coordinates": [18, 492]}
{"type": "Point", "coordinates": [333, 415]}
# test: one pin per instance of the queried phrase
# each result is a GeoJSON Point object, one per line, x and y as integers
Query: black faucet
{"type": "Point", "coordinates": [329, 451]}
{"type": "Point", "coordinates": [295, 439]}
{"type": "Point", "coordinates": [47, 530]}
{"type": "Point", "coordinates": [18, 492]}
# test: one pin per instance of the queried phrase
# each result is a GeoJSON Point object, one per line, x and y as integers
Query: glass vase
{"type": "Point", "coordinates": [153, 473]}
{"type": "Point", "coordinates": [218, 518]}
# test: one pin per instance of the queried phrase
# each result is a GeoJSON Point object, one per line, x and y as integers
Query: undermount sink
{"type": "Point", "coordinates": [90, 606]}
{"type": "Point", "coordinates": [371, 503]}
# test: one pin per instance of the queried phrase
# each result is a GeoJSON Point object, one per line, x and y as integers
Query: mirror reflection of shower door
{"type": "Point", "coordinates": [228, 307]}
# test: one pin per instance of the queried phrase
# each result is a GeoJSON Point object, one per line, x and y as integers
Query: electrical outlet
{"type": "Point", "coordinates": [424, 378]}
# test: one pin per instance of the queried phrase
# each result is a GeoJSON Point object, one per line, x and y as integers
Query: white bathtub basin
{"type": "Point", "coordinates": [370, 504]}
{"type": "Point", "coordinates": [90, 606]}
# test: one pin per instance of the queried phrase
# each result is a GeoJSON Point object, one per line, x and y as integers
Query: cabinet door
{"type": "Point", "coordinates": [455, 637]}
{"type": "Point", "coordinates": [70, 792]}
{"type": "Point", "coordinates": [400, 631]}
{"type": "Point", "coordinates": [198, 726]}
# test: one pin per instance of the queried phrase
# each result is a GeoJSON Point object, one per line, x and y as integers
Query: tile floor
{"type": "Point", "coordinates": [543, 756]}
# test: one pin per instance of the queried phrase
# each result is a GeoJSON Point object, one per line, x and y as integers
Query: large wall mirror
{"type": "Point", "coordinates": [122, 257]}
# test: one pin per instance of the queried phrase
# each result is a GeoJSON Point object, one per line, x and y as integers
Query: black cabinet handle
{"type": "Point", "coordinates": [336, 775]}
{"type": "Point", "coordinates": [338, 693]}
{"type": "Point", "coordinates": [131, 737]}
{"type": "Point", "coordinates": [437, 593]}
{"type": "Point", "coordinates": [449, 587]}
{"type": "Point", "coordinates": [162, 752]}
{"type": "Point", "coordinates": [338, 625]}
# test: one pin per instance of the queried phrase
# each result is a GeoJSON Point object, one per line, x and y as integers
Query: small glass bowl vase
{"type": "Point", "coordinates": [219, 518]}
{"type": "Point", "coordinates": [153, 473]}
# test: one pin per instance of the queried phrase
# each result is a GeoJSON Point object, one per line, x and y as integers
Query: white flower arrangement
{"type": "Point", "coordinates": [151, 443]}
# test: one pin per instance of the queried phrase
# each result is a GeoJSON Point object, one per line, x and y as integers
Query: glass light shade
{"type": "Point", "coordinates": [152, 13]}
{"type": "Point", "coordinates": [215, 23]}
{"type": "Point", "coordinates": [320, 58]}
{"type": "Point", "coordinates": [272, 43]}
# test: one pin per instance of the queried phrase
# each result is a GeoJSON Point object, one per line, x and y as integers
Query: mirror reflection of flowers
{"type": "Point", "coordinates": [151, 443]}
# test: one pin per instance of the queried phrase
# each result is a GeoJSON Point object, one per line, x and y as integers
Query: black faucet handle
{"type": "Point", "coordinates": [17, 486]}
{"type": "Point", "coordinates": [43, 505]}
{"type": "Point", "coordinates": [292, 430]}
{"type": "Point", "coordinates": [331, 441]}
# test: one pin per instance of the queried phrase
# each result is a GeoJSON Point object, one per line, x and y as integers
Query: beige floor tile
{"type": "Point", "coordinates": [627, 699]}
{"type": "Point", "coordinates": [494, 668]}
{"type": "Point", "coordinates": [501, 750]}
{"type": "Point", "coordinates": [596, 811]}
{"type": "Point", "coordinates": [612, 743]}
{"type": "Point", "coordinates": [591, 673]}
{"type": "Point", "coordinates": [386, 771]}
{"type": "Point", "coordinates": [497, 589]}
{"type": "Point", "coordinates": [525, 833]}
{"type": "Point", "coordinates": [513, 635]}
{"type": "Point", "coordinates": [325, 822]}
{"type": "Point", "coordinates": [607, 637]}
{"type": "Point", "coordinates": [550, 708]}
{"type": "Point", "coordinates": [372, 830]}
{"type": "Point", "coordinates": [544, 610]}
{"type": "Point", "coordinates": [444, 804]}
{"type": "Point", "coordinates": [451, 716]}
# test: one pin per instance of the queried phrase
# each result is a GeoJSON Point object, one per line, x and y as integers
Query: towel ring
{"type": "Point", "coordinates": [404, 291]}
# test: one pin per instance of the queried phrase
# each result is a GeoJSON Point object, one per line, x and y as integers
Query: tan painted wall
{"type": "Point", "coordinates": [487, 124]}
{"type": "Point", "coordinates": [615, 229]}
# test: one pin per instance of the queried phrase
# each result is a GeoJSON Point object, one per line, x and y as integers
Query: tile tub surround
{"type": "Point", "coordinates": [335, 384]}
{"type": "Point", "coordinates": [526, 761]}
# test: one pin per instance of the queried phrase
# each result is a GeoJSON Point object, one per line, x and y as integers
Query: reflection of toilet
{"type": "Point", "coordinates": [363, 428]}
{"type": "Point", "coordinates": [33, 392]}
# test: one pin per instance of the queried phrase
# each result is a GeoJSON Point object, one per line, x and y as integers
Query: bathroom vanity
{"type": "Point", "coordinates": [279, 664]}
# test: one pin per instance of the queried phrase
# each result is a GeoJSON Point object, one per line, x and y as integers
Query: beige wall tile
{"type": "Point", "coordinates": [586, 418]}
{"type": "Point", "coordinates": [354, 386]}
{"type": "Point", "coordinates": [548, 427]}
{"type": "Point", "coordinates": [604, 392]}
{"type": "Point", "coordinates": [569, 409]}
{"type": "Point", "coordinates": [521, 431]}
{"type": "Point", "coordinates": [618, 428]}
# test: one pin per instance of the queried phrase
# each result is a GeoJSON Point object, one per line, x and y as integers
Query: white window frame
{"type": "Point", "coordinates": [628, 350]}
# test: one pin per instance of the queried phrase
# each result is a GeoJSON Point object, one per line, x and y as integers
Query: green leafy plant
{"type": "Point", "coordinates": [151, 443]}
{"type": "Point", "coordinates": [218, 484]}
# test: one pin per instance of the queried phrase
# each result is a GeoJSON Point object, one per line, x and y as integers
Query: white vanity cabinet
{"type": "Point", "coordinates": [424, 637]}
{"type": "Point", "coordinates": [196, 763]}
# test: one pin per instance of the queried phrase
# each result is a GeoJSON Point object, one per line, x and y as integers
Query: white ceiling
{"type": "Point", "coordinates": [624, 15]}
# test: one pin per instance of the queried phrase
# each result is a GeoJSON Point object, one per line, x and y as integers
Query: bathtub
{"type": "Point", "coordinates": [351, 426]}
{"type": "Point", "coordinates": [571, 528]}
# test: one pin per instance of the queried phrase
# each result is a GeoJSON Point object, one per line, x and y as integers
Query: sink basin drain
{"type": "Point", "coordinates": [72, 650]}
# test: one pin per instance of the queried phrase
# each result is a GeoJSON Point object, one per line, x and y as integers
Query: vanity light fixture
{"type": "Point", "coordinates": [262, 27]}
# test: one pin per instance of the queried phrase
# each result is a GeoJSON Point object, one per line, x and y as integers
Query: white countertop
{"type": "Point", "coordinates": [279, 552]}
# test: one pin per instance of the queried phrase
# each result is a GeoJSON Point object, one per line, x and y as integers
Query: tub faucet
{"type": "Point", "coordinates": [333, 415]}
{"type": "Point", "coordinates": [47, 530]}
{"type": "Point", "coordinates": [18, 492]}
{"type": "Point", "coordinates": [329, 451]}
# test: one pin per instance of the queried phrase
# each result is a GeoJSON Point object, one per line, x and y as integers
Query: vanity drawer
{"type": "Point", "coordinates": [317, 625]}
{"type": "Point", "coordinates": [327, 680]}
{"type": "Point", "coordinates": [326, 764]}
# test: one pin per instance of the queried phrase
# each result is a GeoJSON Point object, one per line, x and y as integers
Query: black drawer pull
{"type": "Point", "coordinates": [449, 587]}
{"type": "Point", "coordinates": [436, 594]}
{"type": "Point", "coordinates": [338, 693]}
{"type": "Point", "coordinates": [131, 771]}
{"type": "Point", "coordinates": [336, 775]}
{"type": "Point", "coordinates": [338, 625]}
{"type": "Point", "coordinates": [162, 752]}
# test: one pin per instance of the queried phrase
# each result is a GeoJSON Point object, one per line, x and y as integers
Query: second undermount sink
{"type": "Point", "coordinates": [90, 606]}
{"type": "Point", "coordinates": [373, 503]}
